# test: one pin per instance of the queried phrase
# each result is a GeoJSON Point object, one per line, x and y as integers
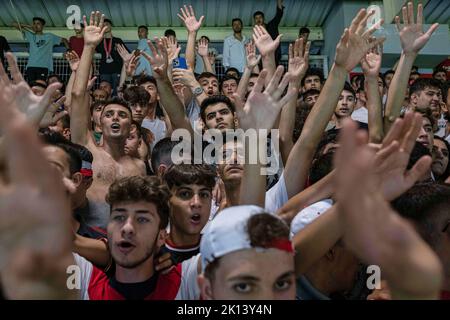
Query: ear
{"type": "Point", "coordinates": [205, 287]}
{"type": "Point", "coordinates": [414, 98]}
{"type": "Point", "coordinates": [331, 254]}
{"type": "Point", "coordinates": [77, 179]}
{"type": "Point", "coordinates": [66, 133]}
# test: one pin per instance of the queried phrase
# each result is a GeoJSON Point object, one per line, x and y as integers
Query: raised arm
{"type": "Point", "coordinates": [298, 64]}
{"type": "Point", "coordinates": [260, 113]}
{"type": "Point", "coordinates": [353, 45]}
{"type": "Point", "coordinates": [80, 117]}
{"type": "Point", "coordinates": [192, 25]}
{"type": "Point", "coordinates": [204, 53]}
{"type": "Point", "coordinates": [172, 105]}
{"type": "Point", "coordinates": [412, 39]}
{"type": "Point", "coordinates": [371, 65]}
{"type": "Point", "coordinates": [252, 63]}
{"type": "Point", "coordinates": [267, 47]}
{"type": "Point", "coordinates": [187, 78]}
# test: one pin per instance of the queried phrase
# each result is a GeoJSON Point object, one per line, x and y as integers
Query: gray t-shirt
{"type": "Point", "coordinates": [157, 127]}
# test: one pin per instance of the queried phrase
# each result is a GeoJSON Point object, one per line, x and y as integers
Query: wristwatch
{"type": "Point", "coordinates": [197, 91]}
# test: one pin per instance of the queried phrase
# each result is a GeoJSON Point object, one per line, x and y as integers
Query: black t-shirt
{"type": "Point", "coordinates": [177, 254]}
{"type": "Point", "coordinates": [4, 47]}
{"type": "Point", "coordinates": [115, 67]}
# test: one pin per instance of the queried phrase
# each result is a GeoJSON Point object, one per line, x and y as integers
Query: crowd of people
{"type": "Point", "coordinates": [106, 180]}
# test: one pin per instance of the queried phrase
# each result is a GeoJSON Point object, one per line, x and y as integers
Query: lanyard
{"type": "Point", "coordinates": [107, 47]}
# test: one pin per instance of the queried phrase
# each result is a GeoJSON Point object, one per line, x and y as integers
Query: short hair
{"type": "Point", "coordinates": [65, 120]}
{"type": "Point", "coordinates": [428, 114]}
{"type": "Point", "coordinates": [226, 78]}
{"type": "Point", "coordinates": [97, 104]}
{"type": "Point", "coordinates": [258, 13]}
{"type": "Point", "coordinates": [388, 72]}
{"type": "Point", "coordinates": [310, 92]}
{"type": "Point", "coordinates": [327, 137]}
{"type": "Point", "coordinates": [233, 70]}
{"type": "Point", "coordinates": [136, 95]}
{"type": "Point", "coordinates": [446, 173]}
{"type": "Point", "coordinates": [170, 32]}
{"type": "Point", "coordinates": [262, 229]}
{"type": "Point", "coordinates": [54, 75]}
{"type": "Point", "coordinates": [214, 100]}
{"type": "Point", "coordinates": [56, 139]}
{"type": "Point", "coordinates": [205, 37]}
{"type": "Point", "coordinates": [254, 75]}
{"type": "Point", "coordinates": [118, 101]}
{"type": "Point", "coordinates": [109, 21]}
{"type": "Point", "coordinates": [106, 81]}
{"type": "Point", "coordinates": [349, 88]}
{"type": "Point", "coordinates": [143, 27]}
{"type": "Point", "coordinates": [313, 72]}
{"type": "Point", "coordinates": [237, 19]}
{"type": "Point", "coordinates": [141, 79]}
{"type": "Point", "coordinates": [41, 20]}
{"type": "Point", "coordinates": [422, 204]}
{"type": "Point", "coordinates": [439, 69]}
{"type": "Point", "coordinates": [444, 89]}
{"type": "Point", "coordinates": [322, 166]}
{"type": "Point", "coordinates": [161, 153]}
{"type": "Point", "coordinates": [206, 75]}
{"type": "Point", "coordinates": [418, 151]}
{"type": "Point", "coordinates": [182, 174]}
{"type": "Point", "coordinates": [141, 188]}
{"type": "Point", "coordinates": [304, 30]}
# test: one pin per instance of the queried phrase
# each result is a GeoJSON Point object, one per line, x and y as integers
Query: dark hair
{"type": "Point", "coordinates": [181, 174]}
{"type": "Point", "coordinates": [390, 71]}
{"type": "Point", "coordinates": [331, 136]}
{"type": "Point", "coordinates": [301, 114]}
{"type": "Point", "coordinates": [84, 153]}
{"type": "Point", "coordinates": [427, 113]}
{"type": "Point", "coordinates": [108, 82]}
{"type": "Point", "coordinates": [170, 32]}
{"type": "Point", "coordinates": [108, 20]}
{"type": "Point", "coordinates": [214, 100]}
{"type": "Point", "coordinates": [349, 88]}
{"type": "Point", "coordinates": [206, 37]}
{"type": "Point", "coordinates": [310, 92]}
{"type": "Point", "coordinates": [422, 84]}
{"type": "Point", "coordinates": [139, 188]}
{"type": "Point", "coordinates": [226, 78]}
{"type": "Point", "coordinates": [313, 72]}
{"type": "Point", "coordinates": [446, 173]}
{"type": "Point", "coordinates": [422, 204]}
{"type": "Point", "coordinates": [136, 95]}
{"type": "Point", "coordinates": [444, 89]}
{"type": "Point", "coordinates": [118, 101]}
{"type": "Point", "coordinates": [258, 13]}
{"type": "Point", "coordinates": [54, 75]}
{"type": "Point", "coordinates": [97, 104]}
{"type": "Point", "coordinates": [206, 75]}
{"type": "Point", "coordinates": [439, 69]}
{"type": "Point", "coordinates": [321, 166]}
{"type": "Point", "coordinates": [65, 120]}
{"type": "Point", "coordinates": [161, 153]}
{"type": "Point", "coordinates": [56, 139]}
{"type": "Point", "coordinates": [237, 19]}
{"type": "Point", "coordinates": [263, 229]}
{"type": "Point", "coordinates": [418, 151]}
{"type": "Point", "coordinates": [143, 26]}
{"type": "Point", "coordinates": [141, 79]}
{"type": "Point", "coordinates": [304, 30]}
{"type": "Point", "coordinates": [232, 69]}
{"type": "Point", "coordinates": [41, 20]}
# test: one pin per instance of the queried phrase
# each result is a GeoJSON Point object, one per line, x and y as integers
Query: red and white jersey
{"type": "Point", "coordinates": [179, 284]}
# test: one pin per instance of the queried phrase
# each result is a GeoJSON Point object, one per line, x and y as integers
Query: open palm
{"type": "Point", "coordinates": [94, 31]}
{"type": "Point", "coordinates": [190, 21]}
{"type": "Point", "coordinates": [264, 42]}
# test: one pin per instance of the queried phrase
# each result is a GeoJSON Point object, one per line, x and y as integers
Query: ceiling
{"type": "Point", "coordinates": [437, 11]}
{"type": "Point", "coordinates": [162, 13]}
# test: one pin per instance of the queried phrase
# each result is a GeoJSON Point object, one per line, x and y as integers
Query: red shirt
{"type": "Point", "coordinates": [77, 45]}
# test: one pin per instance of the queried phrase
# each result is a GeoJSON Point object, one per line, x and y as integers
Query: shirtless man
{"type": "Point", "coordinates": [110, 160]}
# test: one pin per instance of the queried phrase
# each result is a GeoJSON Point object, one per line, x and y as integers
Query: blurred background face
{"type": "Point", "coordinates": [345, 105]}
{"type": "Point", "coordinates": [132, 145]}
{"type": "Point", "coordinates": [252, 275]}
{"type": "Point", "coordinates": [388, 79]}
{"type": "Point", "coordinates": [440, 157]}
{"type": "Point", "coordinates": [259, 20]}
{"type": "Point", "coordinates": [108, 27]}
{"type": "Point", "coordinates": [106, 86]}
{"type": "Point", "coordinates": [142, 33]}
{"type": "Point", "coordinates": [100, 95]}
{"type": "Point", "coordinates": [237, 26]}
{"type": "Point", "coordinates": [37, 26]}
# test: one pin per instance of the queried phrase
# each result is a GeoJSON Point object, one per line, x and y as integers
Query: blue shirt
{"type": "Point", "coordinates": [234, 53]}
{"type": "Point", "coordinates": [144, 65]}
{"type": "Point", "coordinates": [41, 49]}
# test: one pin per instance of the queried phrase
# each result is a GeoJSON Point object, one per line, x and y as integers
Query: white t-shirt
{"type": "Point", "coordinates": [157, 127]}
{"type": "Point", "coordinates": [361, 115]}
{"type": "Point", "coordinates": [309, 214]}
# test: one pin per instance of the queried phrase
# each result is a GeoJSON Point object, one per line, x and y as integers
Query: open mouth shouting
{"type": "Point", "coordinates": [125, 247]}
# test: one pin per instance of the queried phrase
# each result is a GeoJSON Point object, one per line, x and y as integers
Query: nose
{"type": "Point", "coordinates": [195, 201]}
{"type": "Point", "coordinates": [128, 228]}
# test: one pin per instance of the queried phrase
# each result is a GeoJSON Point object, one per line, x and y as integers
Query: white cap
{"type": "Point", "coordinates": [227, 233]}
{"type": "Point", "coordinates": [309, 214]}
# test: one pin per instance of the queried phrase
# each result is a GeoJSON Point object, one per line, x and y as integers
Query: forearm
{"type": "Point", "coordinates": [287, 123]}
{"type": "Point", "coordinates": [268, 63]}
{"type": "Point", "coordinates": [397, 90]}
{"type": "Point", "coordinates": [69, 88]}
{"type": "Point", "coordinates": [299, 161]}
{"type": "Point", "coordinates": [314, 241]}
{"type": "Point", "coordinates": [208, 67]}
{"type": "Point", "coordinates": [243, 83]}
{"type": "Point", "coordinates": [123, 75]}
{"type": "Point", "coordinates": [253, 185]}
{"type": "Point", "coordinates": [375, 117]}
{"type": "Point", "coordinates": [190, 49]}
{"type": "Point", "coordinates": [95, 251]}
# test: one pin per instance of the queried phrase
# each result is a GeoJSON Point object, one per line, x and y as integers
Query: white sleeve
{"type": "Point", "coordinates": [276, 196]}
{"type": "Point", "coordinates": [189, 289]}
{"type": "Point", "coordinates": [226, 53]}
{"type": "Point", "coordinates": [85, 268]}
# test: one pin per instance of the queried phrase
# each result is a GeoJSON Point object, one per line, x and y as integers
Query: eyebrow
{"type": "Point", "coordinates": [287, 274]}
{"type": "Point", "coordinates": [245, 277]}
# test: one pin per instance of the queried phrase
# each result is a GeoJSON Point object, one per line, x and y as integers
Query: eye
{"type": "Point", "coordinates": [119, 218]}
{"type": "Point", "coordinates": [242, 287]}
{"type": "Point", "coordinates": [142, 220]}
{"type": "Point", "coordinates": [205, 195]}
{"type": "Point", "coordinates": [185, 195]}
{"type": "Point", "coordinates": [211, 116]}
{"type": "Point", "coordinates": [283, 285]}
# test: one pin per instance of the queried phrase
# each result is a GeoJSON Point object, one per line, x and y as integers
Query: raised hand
{"type": "Point", "coordinates": [159, 61]}
{"type": "Point", "coordinates": [412, 37]}
{"type": "Point", "coordinates": [373, 231]}
{"type": "Point", "coordinates": [131, 65]}
{"type": "Point", "coordinates": [73, 59]}
{"type": "Point", "coordinates": [212, 58]}
{"type": "Point", "coordinates": [173, 50]}
{"type": "Point", "coordinates": [263, 107]}
{"type": "Point", "coordinates": [355, 42]}
{"type": "Point", "coordinates": [298, 58]}
{"type": "Point", "coordinates": [203, 47]}
{"type": "Point", "coordinates": [264, 42]}
{"type": "Point", "coordinates": [52, 115]}
{"type": "Point", "coordinates": [124, 54]}
{"type": "Point", "coordinates": [19, 93]}
{"type": "Point", "coordinates": [190, 21]}
{"type": "Point", "coordinates": [371, 63]}
{"type": "Point", "coordinates": [252, 59]}
{"type": "Point", "coordinates": [94, 31]}
{"type": "Point", "coordinates": [184, 76]}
